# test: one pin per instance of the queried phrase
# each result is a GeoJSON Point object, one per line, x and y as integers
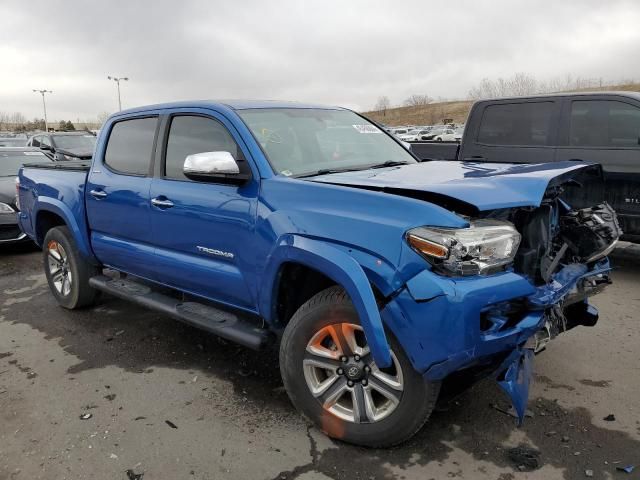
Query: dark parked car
{"type": "Point", "coordinates": [602, 127]}
{"type": "Point", "coordinates": [11, 159]}
{"type": "Point", "coordinates": [61, 146]}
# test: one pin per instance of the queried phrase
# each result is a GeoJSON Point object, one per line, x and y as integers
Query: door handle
{"type": "Point", "coordinates": [161, 202]}
{"type": "Point", "coordinates": [98, 194]}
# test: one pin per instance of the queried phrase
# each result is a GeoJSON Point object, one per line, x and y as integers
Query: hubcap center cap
{"type": "Point", "coordinates": [354, 371]}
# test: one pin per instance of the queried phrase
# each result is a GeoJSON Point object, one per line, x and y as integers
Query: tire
{"type": "Point", "coordinates": [66, 271]}
{"type": "Point", "coordinates": [438, 139]}
{"type": "Point", "coordinates": [332, 311]}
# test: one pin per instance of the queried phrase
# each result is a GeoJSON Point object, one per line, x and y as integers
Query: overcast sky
{"type": "Point", "coordinates": [336, 52]}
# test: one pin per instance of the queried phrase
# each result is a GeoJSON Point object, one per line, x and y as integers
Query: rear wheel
{"type": "Point", "coordinates": [330, 376]}
{"type": "Point", "coordinates": [67, 272]}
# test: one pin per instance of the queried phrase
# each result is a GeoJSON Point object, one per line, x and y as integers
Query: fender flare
{"type": "Point", "coordinates": [342, 269]}
{"type": "Point", "coordinates": [57, 207]}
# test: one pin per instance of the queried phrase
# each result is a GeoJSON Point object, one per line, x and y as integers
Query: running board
{"type": "Point", "coordinates": [219, 322]}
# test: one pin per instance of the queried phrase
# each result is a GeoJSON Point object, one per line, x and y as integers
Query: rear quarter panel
{"type": "Point", "coordinates": [60, 192]}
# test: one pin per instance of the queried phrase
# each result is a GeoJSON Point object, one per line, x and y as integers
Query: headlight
{"type": "Point", "coordinates": [4, 208]}
{"type": "Point", "coordinates": [487, 246]}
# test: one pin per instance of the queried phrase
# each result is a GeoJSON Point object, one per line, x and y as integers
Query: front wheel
{"type": "Point", "coordinates": [67, 271]}
{"type": "Point", "coordinates": [330, 376]}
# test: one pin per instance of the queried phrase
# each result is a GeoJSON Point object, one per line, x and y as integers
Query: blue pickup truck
{"type": "Point", "coordinates": [384, 282]}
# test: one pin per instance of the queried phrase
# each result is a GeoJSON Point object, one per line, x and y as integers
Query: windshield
{"type": "Point", "coordinates": [10, 162]}
{"type": "Point", "coordinates": [70, 142]}
{"type": "Point", "coordinates": [302, 141]}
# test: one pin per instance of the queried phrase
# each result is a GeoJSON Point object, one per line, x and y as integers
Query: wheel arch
{"type": "Point", "coordinates": [53, 213]}
{"type": "Point", "coordinates": [323, 265]}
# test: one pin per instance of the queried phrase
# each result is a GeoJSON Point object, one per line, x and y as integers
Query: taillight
{"type": "Point", "coordinates": [18, 193]}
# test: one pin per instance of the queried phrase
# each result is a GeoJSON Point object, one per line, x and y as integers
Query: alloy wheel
{"type": "Point", "coordinates": [59, 269]}
{"type": "Point", "coordinates": [341, 374]}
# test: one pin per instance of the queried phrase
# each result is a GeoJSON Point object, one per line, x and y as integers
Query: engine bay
{"type": "Point", "coordinates": [554, 236]}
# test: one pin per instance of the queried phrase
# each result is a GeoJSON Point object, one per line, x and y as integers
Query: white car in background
{"type": "Point", "coordinates": [447, 135]}
{"type": "Point", "coordinates": [414, 135]}
{"type": "Point", "coordinates": [459, 132]}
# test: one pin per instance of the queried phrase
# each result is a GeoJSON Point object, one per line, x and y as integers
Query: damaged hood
{"type": "Point", "coordinates": [485, 186]}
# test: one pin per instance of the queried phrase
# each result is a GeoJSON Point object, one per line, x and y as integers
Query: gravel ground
{"type": "Point", "coordinates": [170, 402]}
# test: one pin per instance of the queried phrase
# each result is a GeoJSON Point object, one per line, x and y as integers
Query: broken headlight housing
{"type": "Point", "coordinates": [485, 247]}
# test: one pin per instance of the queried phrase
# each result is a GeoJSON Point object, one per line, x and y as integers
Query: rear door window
{"type": "Point", "coordinates": [604, 123]}
{"type": "Point", "coordinates": [527, 123]}
{"type": "Point", "coordinates": [130, 146]}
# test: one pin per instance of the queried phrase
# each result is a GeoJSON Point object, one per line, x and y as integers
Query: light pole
{"type": "Point", "coordinates": [44, 105]}
{"type": "Point", "coordinates": [117, 80]}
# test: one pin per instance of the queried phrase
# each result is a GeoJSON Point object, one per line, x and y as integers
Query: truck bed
{"type": "Point", "coordinates": [82, 165]}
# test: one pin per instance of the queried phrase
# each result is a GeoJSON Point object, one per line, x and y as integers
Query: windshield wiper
{"type": "Point", "coordinates": [326, 171]}
{"type": "Point", "coordinates": [390, 163]}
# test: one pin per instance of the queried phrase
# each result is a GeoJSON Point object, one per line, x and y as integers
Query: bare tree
{"type": "Point", "coordinates": [18, 119]}
{"type": "Point", "coordinates": [102, 117]}
{"type": "Point", "coordinates": [523, 84]}
{"type": "Point", "coordinates": [382, 104]}
{"type": "Point", "coordinates": [517, 85]}
{"type": "Point", "coordinates": [417, 100]}
{"type": "Point", "coordinates": [4, 121]}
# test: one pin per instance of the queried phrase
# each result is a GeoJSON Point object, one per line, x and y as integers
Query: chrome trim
{"type": "Point", "coordinates": [98, 194]}
{"type": "Point", "coordinates": [22, 236]}
{"type": "Point", "coordinates": [161, 203]}
{"type": "Point", "coordinates": [210, 163]}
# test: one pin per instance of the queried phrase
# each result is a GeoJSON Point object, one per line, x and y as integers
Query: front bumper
{"type": "Point", "coordinates": [446, 325]}
{"type": "Point", "coordinates": [10, 231]}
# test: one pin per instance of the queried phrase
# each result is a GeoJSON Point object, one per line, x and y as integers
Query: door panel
{"type": "Point", "coordinates": [204, 231]}
{"type": "Point", "coordinates": [513, 132]}
{"type": "Point", "coordinates": [605, 130]}
{"type": "Point", "coordinates": [203, 240]}
{"type": "Point", "coordinates": [118, 200]}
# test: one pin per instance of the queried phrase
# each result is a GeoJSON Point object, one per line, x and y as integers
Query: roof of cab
{"type": "Point", "coordinates": [619, 93]}
{"type": "Point", "coordinates": [233, 104]}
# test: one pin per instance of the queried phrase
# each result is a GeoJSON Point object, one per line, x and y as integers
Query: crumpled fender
{"type": "Point", "coordinates": [342, 269]}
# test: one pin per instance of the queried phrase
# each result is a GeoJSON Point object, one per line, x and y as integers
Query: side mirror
{"type": "Point", "coordinates": [46, 147]}
{"type": "Point", "coordinates": [213, 167]}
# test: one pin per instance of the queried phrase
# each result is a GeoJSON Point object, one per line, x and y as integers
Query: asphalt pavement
{"type": "Point", "coordinates": [115, 392]}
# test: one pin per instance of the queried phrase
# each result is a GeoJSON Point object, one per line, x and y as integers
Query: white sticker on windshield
{"type": "Point", "coordinates": [366, 128]}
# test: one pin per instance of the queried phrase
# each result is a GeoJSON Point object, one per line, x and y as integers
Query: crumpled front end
{"type": "Point", "coordinates": [473, 327]}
